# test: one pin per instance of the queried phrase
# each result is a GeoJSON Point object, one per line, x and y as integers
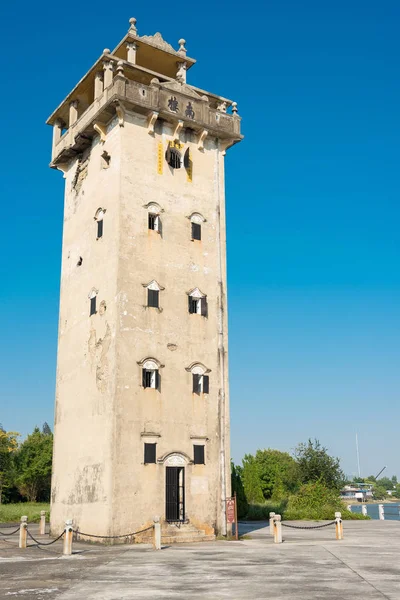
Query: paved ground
{"type": "Point", "coordinates": [308, 565]}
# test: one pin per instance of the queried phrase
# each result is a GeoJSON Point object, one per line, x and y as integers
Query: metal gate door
{"type": "Point", "coordinates": [175, 494]}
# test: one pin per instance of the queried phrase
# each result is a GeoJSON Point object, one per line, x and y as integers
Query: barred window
{"type": "Point", "coordinates": [173, 158]}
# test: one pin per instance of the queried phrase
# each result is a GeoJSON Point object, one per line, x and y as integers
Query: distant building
{"type": "Point", "coordinates": [358, 491]}
{"type": "Point", "coordinates": [142, 402]}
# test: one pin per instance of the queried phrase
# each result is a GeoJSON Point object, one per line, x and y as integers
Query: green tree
{"type": "Point", "coordinates": [34, 460]}
{"type": "Point", "coordinates": [315, 464]}
{"type": "Point", "coordinates": [394, 480]}
{"type": "Point", "coordinates": [8, 447]}
{"type": "Point", "coordinates": [278, 473]}
{"type": "Point", "coordinates": [237, 486]}
{"type": "Point", "coordinates": [386, 483]}
{"type": "Point", "coordinates": [252, 480]}
{"type": "Point", "coordinates": [379, 492]}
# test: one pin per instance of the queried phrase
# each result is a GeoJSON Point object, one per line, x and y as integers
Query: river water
{"type": "Point", "coordinates": [392, 511]}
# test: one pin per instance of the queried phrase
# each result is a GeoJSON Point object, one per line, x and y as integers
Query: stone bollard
{"type": "Point", "coordinates": [277, 529]}
{"type": "Point", "coordinates": [271, 523]}
{"type": "Point", "coordinates": [364, 509]}
{"type": "Point", "coordinates": [42, 528]}
{"type": "Point", "coordinates": [67, 548]}
{"type": "Point", "coordinates": [157, 533]}
{"type": "Point", "coordinates": [339, 525]}
{"type": "Point", "coordinates": [381, 511]}
{"type": "Point", "coordinates": [22, 532]}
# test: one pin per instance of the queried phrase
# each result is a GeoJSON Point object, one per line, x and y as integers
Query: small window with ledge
{"type": "Point", "coordinates": [93, 302]}
{"type": "Point", "coordinates": [201, 384]}
{"type": "Point", "coordinates": [154, 222]}
{"type": "Point", "coordinates": [196, 221]}
{"type": "Point", "coordinates": [150, 456]}
{"type": "Point", "coordinates": [197, 303]}
{"type": "Point", "coordinates": [154, 211]}
{"type": "Point", "coordinates": [151, 378]}
{"type": "Point", "coordinates": [198, 454]}
{"type": "Point", "coordinates": [153, 294]}
{"type": "Point", "coordinates": [200, 378]}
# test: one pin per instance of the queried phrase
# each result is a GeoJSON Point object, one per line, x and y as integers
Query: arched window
{"type": "Point", "coordinates": [200, 378]}
{"type": "Point", "coordinates": [197, 303]}
{"type": "Point", "coordinates": [196, 221]}
{"type": "Point", "coordinates": [151, 373]}
{"type": "Point", "coordinates": [93, 297]}
{"type": "Point", "coordinates": [99, 217]}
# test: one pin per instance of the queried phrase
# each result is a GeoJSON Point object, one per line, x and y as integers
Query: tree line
{"type": "Point", "coordinates": [25, 467]}
{"type": "Point", "coordinates": [305, 484]}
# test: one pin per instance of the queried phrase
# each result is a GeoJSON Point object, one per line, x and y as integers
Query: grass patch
{"type": "Point", "coordinates": [12, 513]}
{"type": "Point", "coordinates": [260, 512]}
{"type": "Point", "coordinates": [231, 538]}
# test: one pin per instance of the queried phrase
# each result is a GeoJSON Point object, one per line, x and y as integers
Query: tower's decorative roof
{"type": "Point", "coordinates": [157, 40]}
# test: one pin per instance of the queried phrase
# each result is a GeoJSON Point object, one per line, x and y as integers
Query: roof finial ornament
{"type": "Point", "coordinates": [182, 49]}
{"type": "Point", "coordinates": [132, 28]}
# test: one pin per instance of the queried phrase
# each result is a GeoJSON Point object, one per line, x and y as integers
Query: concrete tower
{"type": "Point", "coordinates": [142, 404]}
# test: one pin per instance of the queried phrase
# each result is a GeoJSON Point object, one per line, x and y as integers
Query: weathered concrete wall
{"type": "Point", "coordinates": [82, 470]}
{"type": "Point", "coordinates": [102, 411]}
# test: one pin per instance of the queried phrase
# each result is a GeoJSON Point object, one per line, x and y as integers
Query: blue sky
{"type": "Point", "coordinates": [312, 209]}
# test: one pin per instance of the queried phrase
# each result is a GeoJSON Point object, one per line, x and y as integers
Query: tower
{"type": "Point", "coordinates": [142, 404]}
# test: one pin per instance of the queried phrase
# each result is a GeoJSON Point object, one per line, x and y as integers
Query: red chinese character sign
{"type": "Point", "coordinates": [231, 513]}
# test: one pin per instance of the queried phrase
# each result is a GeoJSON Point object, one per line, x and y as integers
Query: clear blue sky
{"type": "Point", "coordinates": [312, 207]}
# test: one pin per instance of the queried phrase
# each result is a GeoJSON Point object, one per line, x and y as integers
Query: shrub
{"type": "Point", "coordinates": [315, 501]}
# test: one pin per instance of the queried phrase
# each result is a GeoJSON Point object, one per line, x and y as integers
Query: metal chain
{"type": "Point", "coordinates": [311, 527]}
{"type": "Point", "coordinates": [12, 532]}
{"type": "Point", "coordinates": [111, 537]}
{"type": "Point", "coordinates": [44, 543]}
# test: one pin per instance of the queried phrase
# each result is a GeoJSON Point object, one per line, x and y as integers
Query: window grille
{"type": "Point", "coordinates": [173, 158]}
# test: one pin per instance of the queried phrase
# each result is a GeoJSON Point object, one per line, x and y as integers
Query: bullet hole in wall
{"type": "Point", "coordinates": [102, 307]}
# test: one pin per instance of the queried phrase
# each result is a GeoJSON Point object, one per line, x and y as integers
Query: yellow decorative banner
{"type": "Point", "coordinates": [189, 166]}
{"type": "Point", "coordinates": [160, 158]}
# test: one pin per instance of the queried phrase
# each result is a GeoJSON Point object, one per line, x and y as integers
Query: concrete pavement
{"type": "Point", "coordinates": [308, 565]}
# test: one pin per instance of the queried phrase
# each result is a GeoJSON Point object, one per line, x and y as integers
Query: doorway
{"type": "Point", "coordinates": [175, 494]}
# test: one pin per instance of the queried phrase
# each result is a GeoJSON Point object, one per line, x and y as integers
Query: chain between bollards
{"type": "Point", "coordinates": [276, 526]}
